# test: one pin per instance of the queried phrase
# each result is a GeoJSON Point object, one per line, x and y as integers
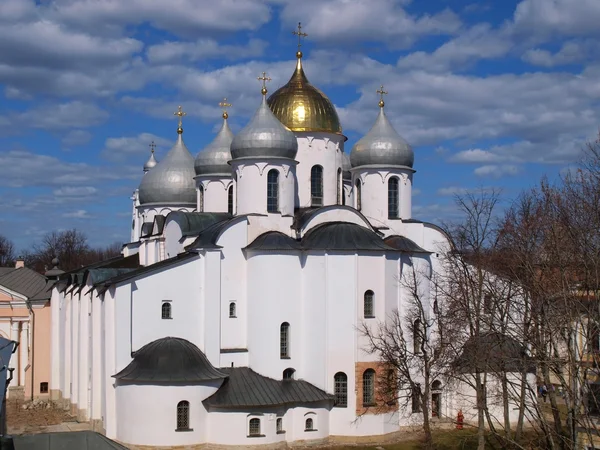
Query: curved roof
{"type": "Point", "coordinates": [150, 163]}
{"type": "Point", "coordinates": [171, 181]}
{"type": "Point", "coordinates": [302, 107]}
{"type": "Point", "coordinates": [302, 216]}
{"type": "Point", "coordinates": [404, 244]}
{"type": "Point", "coordinates": [264, 137]}
{"type": "Point", "coordinates": [170, 360]}
{"type": "Point", "coordinates": [274, 240]}
{"type": "Point", "coordinates": [192, 223]}
{"type": "Point", "coordinates": [343, 236]}
{"type": "Point", "coordinates": [382, 146]}
{"type": "Point", "coordinates": [214, 158]}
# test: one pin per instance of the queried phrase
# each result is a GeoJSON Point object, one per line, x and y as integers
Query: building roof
{"type": "Point", "coordinates": [404, 244]}
{"type": "Point", "coordinates": [245, 388]}
{"type": "Point", "coordinates": [26, 282]}
{"type": "Point", "coordinates": [214, 158]}
{"type": "Point", "coordinates": [274, 240]}
{"type": "Point", "coordinates": [72, 440]}
{"type": "Point", "coordinates": [192, 223]}
{"type": "Point", "coordinates": [169, 360]}
{"type": "Point", "coordinates": [303, 215]}
{"type": "Point", "coordinates": [343, 236]}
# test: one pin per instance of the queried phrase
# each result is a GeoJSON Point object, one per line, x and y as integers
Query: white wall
{"type": "Point", "coordinates": [215, 192]}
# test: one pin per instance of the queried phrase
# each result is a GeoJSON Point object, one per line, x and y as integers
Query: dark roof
{"type": "Point", "coordinates": [274, 240]}
{"type": "Point", "coordinates": [343, 236]}
{"type": "Point", "coordinates": [192, 223]}
{"type": "Point", "coordinates": [26, 282]}
{"type": "Point", "coordinates": [72, 440]}
{"type": "Point", "coordinates": [208, 237]}
{"type": "Point", "coordinates": [169, 360]}
{"type": "Point", "coordinates": [493, 352]}
{"type": "Point", "coordinates": [303, 215]}
{"type": "Point", "coordinates": [146, 229]}
{"type": "Point", "coordinates": [245, 388]}
{"type": "Point", "coordinates": [404, 244]}
{"type": "Point", "coordinates": [115, 261]}
{"type": "Point", "coordinates": [5, 270]}
{"type": "Point", "coordinates": [160, 224]}
{"type": "Point", "coordinates": [142, 270]}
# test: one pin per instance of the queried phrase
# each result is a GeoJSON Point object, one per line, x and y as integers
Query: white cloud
{"type": "Point", "coordinates": [203, 49]}
{"type": "Point", "coordinates": [117, 149]}
{"type": "Point", "coordinates": [497, 171]}
{"type": "Point", "coordinates": [79, 214]}
{"type": "Point", "coordinates": [70, 191]}
{"type": "Point", "coordinates": [76, 138]}
{"type": "Point", "coordinates": [570, 52]}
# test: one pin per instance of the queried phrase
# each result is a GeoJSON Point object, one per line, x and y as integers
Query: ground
{"type": "Point", "coordinates": [39, 417]}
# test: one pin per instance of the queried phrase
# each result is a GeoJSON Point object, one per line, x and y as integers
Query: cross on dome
{"type": "Point", "coordinates": [264, 80]}
{"type": "Point", "coordinates": [180, 114]}
{"type": "Point", "coordinates": [152, 146]}
{"type": "Point", "coordinates": [300, 35]}
{"type": "Point", "coordinates": [381, 92]}
{"type": "Point", "coordinates": [224, 104]}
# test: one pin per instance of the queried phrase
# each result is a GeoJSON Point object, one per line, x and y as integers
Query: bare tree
{"type": "Point", "coordinates": [7, 252]}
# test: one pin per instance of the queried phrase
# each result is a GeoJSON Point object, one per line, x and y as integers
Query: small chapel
{"type": "Point", "coordinates": [231, 317]}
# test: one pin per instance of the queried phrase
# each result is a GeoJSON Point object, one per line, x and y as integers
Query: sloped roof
{"type": "Point", "coordinates": [303, 215]}
{"type": "Point", "coordinates": [72, 440]}
{"type": "Point", "coordinates": [192, 223]}
{"type": "Point", "coordinates": [274, 240]}
{"type": "Point", "coordinates": [404, 244]}
{"type": "Point", "coordinates": [343, 236]}
{"type": "Point", "coordinates": [245, 388]}
{"type": "Point", "coordinates": [169, 360]}
{"type": "Point", "coordinates": [24, 281]}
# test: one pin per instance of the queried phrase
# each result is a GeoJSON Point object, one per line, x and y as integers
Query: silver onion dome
{"type": "Point", "coordinates": [382, 146]}
{"type": "Point", "coordinates": [346, 166]}
{"type": "Point", "coordinates": [214, 158]}
{"type": "Point", "coordinates": [264, 137]}
{"type": "Point", "coordinates": [171, 181]}
{"type": "Point", "coordinates": [150, 163]}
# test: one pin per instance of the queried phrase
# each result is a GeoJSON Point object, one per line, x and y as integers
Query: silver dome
{"type": "Point", "coordinates": [213, 159]}
{"type": "Point", "coordinates": [172, 180]}
{"type": "Point", "coordinates": [382, 146]}
{"type": "Point", "coordinates": [150, 163]}
{"type": "Point", "coordinates": [264, 137]}
{"type": "Point", "coordinates": [346, 166]}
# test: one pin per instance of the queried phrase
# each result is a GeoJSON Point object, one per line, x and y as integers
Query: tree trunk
{"type": "Point", "coordinates": [480, 390]}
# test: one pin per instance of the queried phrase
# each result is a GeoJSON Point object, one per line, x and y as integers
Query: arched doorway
{"type": "Point", "coordinates": [436, 398]}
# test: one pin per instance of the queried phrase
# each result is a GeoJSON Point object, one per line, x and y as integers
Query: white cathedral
{"type": "Point", "coordinates": [232, 316]}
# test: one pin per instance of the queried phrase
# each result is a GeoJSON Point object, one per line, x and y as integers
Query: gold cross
{"type": "Point", "coordinates": [264, 80]}
{"type": "Point", "coordinates": [152, 147]}
{"type": "Point", "coordinates": [300, 35]}
{"type": "Point", "coordinates": [381, 92]}
{"type": "Point", "coordinates": [179, 114]}
{"type": "Point", "coordinates": [225, 105]}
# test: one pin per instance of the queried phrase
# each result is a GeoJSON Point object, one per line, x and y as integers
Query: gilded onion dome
{"type": "Point", "coordinates": [302, 107]}
{"type": "Point", "coordinates": [214, 158]}
{"type": "Point", "coordinates": [382, 146]}
{"type": "Point", "coordinates": [264, 136]}
{"type": "Point", "coordinates": [171, 181]}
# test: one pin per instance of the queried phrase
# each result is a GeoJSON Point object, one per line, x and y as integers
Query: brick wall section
{"type": "Point", "coordinates": [382, 406]}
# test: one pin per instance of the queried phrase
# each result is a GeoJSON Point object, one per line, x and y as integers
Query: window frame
{"type": "Point", "coordinates": [230, 199]}
{"type": "Point", "coordinates": [273, 191]}
{"type": "Point", "coordinates": [309, 424]}
{"type": "Point", "coordinates": [289, 374]}
{"type": "Point", "coordinates": [368, 385]}
{"type": "Point", "coordinates": [284, 341]}
{"type": "Point", "coordinates": [358, 194]}
{"type": "Point", "coordinates": [369, 296]}
{"type": "Point", "coordinates": [340, 390]}
{"type": "Point", "coordinates": [166, 307]}
{"type": "Point", "coordinates": [415, 398]}
{"type": "Point", "coordinates": [279, 425]}
{"type": "Point", "coordinates": [340, 190]}
{"type": "Point", "coordinates": [232, 310]}
{"type": "Point", "coordinates": [393, 198]}
{"type": "Point", "coordinates": [316, 186]}
{"type": "Point", "coordinates": [200, 198]}
{"type": "Point", "coordinates": [257, 432]}
{"type": "Point", "coordinates": [183, 416]}
{"type": "Point", "coordinates": [417, 337]}
{"type": "Point", "coordinates": [44, 387]}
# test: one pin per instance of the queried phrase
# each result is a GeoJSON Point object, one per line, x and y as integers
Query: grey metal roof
{"type": "Point", "coordinates": [274, 240]}
{"type": "Point", "coordinates": [77, 277]}
{"type": "Point", "coordinates": [150, 163]}
{"type": "Point", "coordinates": [207, 239]}
{"type": "Point", "coordinates": [245, 388]}
{"type": "Point", "coordinates": [159, 220]}
{"type": "Point", "coordinates": [169, 360]}
{"type": "Point", "coordinates": [264, 137]}
{"type": "Point", "coordinates": [192, 223]}
{"type": "Point", "coordinates": [214, 158]}
{"type": "Point", "coordinates": [72, 440]}
{"type": "Point", "coordinates": [5, 270]}
{"type": "Point", "coordinates": [24, 281]}
{"type": "Point", "coordinates": [172, 180]}
{"type": "Point", "coordinates": [303, 215]}
{"type": "Point", "coordinates": [146, 229]}
{"type": "Point", "coordinates": [382, 145]}
{"type": "Point", "coordinates": [346, 166]}
{"type": "Point", "coordinates": [343, 236]}
{"type": "Point", "coordinates": [404, 244]}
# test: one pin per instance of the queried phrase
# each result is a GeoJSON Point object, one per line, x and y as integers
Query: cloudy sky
{"type": "Point", "coordinates": [489, 92]}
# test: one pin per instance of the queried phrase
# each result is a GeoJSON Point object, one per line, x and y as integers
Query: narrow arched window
{"type": "Point", "coordinates": [393, 198]}
{"type": "Point", "coordinates": [273, 191]}
{"type": "Point", "coordinates": [232, 312]}
{"type": "Point", "coordinates": [183, 415]}
{"type": "Point", "coordinates": [230, 200]}
{"type": "Point", "coordinates": [340, 390]}
{"type": "Point", "coordinates": [316, 186]}
{"type": "Point", "coordinates": [369, 387]}
{"type": "Point", "coordinates": [416, 399]}
{"type": "Point", "coordinates": [288, 374]}
{"type": "Point", "coordinates": [279, 425]}
{"type": "Point", "coordinates": [309, 425]}
{"type": "Point", "coordinates": [369, 307]}
{"type": "Point", "coordinates": [357, 194]}
{"type": "Point", "coordinates": [284, 340]}
{"type": "Point", "coordinates": [417, 336]}
{"type": "Point", "coordinates": [200, 198]}
{"type": "Point", "coordinates": [339, 186]}
{"type": "Point", "coordinates": [166, 310]}
{"type": "Point", "coordinates": [254, 427]}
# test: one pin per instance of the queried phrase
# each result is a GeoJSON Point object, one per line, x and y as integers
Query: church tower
{"type": "Point", "coordinates": [382, 173]}
{"type": "Point", "coordinates": [214, 182]}
{"type": "Point", "coordinates": [263, 160]}
{"type": "Point", "coordinates": [308, 112]}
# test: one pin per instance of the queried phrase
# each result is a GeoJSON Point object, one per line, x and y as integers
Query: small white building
{"type": "Point", "coordinates": [231, 318]}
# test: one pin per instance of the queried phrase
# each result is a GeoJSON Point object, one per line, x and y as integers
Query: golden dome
{"type": "Point", "coordinates": [302, 107]}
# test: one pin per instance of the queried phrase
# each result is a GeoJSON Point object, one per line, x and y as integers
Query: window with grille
{"type": "Point", "coordinates": [316, 186]}
{"type": "Point", "coordinates": [417, 337]}
{"type": "Point", "coordinates": [416, 400]}
{"type": "Point", "coordinates": [230, 200]}
{"type": "Point", "coordinates": [357, 194]}
{"type": "Point", "coordinates": [273, 191]}
{"type": "Point", "coordinates": [44, 387]}
{"type": "Point", "coordinates": [279, 425]}
{"type": "Point", "coordinates": [166, 310]}
{"type": "Point", "coordinates": [369, 310]}
{"type": "Point", "coordinates": [201, 199]}
{"type": "Point", "coordinates": [183, 415]}
{"type": "Point", "coordinates": [232, 312]}
{"type": "Point", "coordinates": [393, 198]}
{"type": "Point", "coordinates": [254, 427]}
{"type": "Point", "coordinates": [284, 340]}
{"type": "Point", "coordinates": [369, 387]}
{"type": "Point", "coordinates": [309, 425]}
{"type": "Point", "coordinates": [340, 389]}
{"type": "Point", "coordinates": [288, 374]}
{"type": "Point", "coordinates": [339, 186]}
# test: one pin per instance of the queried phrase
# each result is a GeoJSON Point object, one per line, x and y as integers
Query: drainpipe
{"type": "Point", "coordinates": [31, 363]}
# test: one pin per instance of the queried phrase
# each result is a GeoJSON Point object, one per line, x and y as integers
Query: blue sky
{"type": "Point", "coordinates": [489, 93]}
